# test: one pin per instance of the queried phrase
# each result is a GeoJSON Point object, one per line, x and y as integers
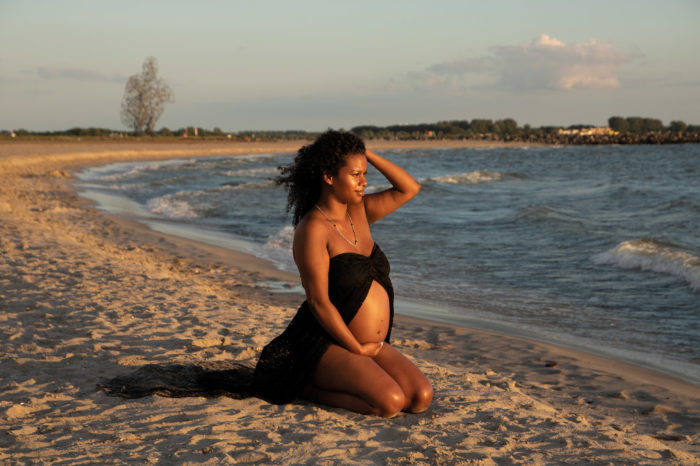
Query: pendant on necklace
{"type": "Point", "coordinates": [352, 225]}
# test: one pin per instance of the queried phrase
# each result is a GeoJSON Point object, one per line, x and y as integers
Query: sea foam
{"type": "Point", "coordinates": [253, 171]}
{"type": "Point", "coordinates": [128, 171]}
{"type": "Point", "coordinates": [170, 205]}
{"type": "Point", "coordinates": [654, 256]}
{"type": "Point", "coordinates": [278, 249]}
{"type": "Point", "coordinates": [475, 177]}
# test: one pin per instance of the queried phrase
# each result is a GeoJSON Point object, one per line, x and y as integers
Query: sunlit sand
{"type": "Point", "coordinates": [85, 296]}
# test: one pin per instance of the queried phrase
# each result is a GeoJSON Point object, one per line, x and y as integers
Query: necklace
{"type": "Point", "coordinates": [338, 230]}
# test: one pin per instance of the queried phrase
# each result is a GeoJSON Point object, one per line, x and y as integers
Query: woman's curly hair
{"type": "Point", "coordinates": [303, 178]}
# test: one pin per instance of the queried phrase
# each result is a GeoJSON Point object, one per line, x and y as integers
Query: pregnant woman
{"type": "Point", "coordinates": [336, 349]}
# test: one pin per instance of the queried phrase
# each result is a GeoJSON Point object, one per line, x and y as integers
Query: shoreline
{"type": "Point", "coordinates": [430, 312]}
{"type": "Point", "coordinates": [435, 311]}
{"type": "Point", "coordinates": [117, 270]}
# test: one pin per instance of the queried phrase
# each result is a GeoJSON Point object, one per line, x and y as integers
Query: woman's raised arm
{"type": "Point", "coordinates": [403, 188]}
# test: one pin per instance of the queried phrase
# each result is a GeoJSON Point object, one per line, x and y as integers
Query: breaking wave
{"type": "Point", "coordinates": [377, 188]}
{"type": "Point", "coordinates": [253, 171]}
{"type": "Point", "coordinates": [278, 249]}
{"type": "Point", "coordinates": [654, 256]}
{"type": "Point", "coordinates": [129, 171]}
{"type": "Point", "coordinates": [475, 177]}
{"type": "Point", "coordinates": [172, 206]}
{"type": "Point", "coordinates": [182, 204]}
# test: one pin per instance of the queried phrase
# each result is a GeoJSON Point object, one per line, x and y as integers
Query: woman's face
{"type": "Point", "coordinates": [349, 184]}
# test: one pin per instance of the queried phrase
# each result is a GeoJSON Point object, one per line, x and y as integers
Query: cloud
{"type": "Point", "coordinates": [544, 63]}
{"type": "Point", "coordinates": [79, 74]}
{"type": "Point", "coordinates": [461, 66]}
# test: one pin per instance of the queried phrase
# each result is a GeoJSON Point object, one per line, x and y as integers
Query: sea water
{"type": "Point", "coordinates": [593, 247]}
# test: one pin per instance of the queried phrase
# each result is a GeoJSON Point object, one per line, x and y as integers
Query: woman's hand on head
{"type": "Point", "coordinates": [371, 349]}
{"type": "Point", "coordinates": [403, 188]}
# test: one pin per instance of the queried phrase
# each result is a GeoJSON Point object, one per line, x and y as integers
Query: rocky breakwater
{"type": "Point", "coordinates": [622, 138]}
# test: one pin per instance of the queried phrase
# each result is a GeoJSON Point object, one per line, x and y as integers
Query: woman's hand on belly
{"type": "Point", "coordinates": [371, 323]}
{"type": "Point", "coordinates": [372, 348]}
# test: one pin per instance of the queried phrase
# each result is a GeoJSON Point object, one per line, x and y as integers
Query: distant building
{"type": "Point", "coordinates": [592, 131]}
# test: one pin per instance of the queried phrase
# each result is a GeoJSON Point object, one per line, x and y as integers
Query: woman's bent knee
{"type": "Point", "coordinates": [391, 402]}
{"type": "Point", "coordinates": [421, 399]}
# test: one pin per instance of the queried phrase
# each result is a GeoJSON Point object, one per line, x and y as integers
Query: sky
{"type": "Point", "coordinates": [312, 65]}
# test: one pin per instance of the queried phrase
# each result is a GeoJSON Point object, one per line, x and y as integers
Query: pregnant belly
{"type": "Point", "coordinates": [371, 323]}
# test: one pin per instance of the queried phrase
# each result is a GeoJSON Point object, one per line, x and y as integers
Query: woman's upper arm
{"type": "Point", "coordinates": [311, 257]}
{"type": "Point", "coordinates": [403, 188]}
{"type": "Point", "coordinates": [381, 204]}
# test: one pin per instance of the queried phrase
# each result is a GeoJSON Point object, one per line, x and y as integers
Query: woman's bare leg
{"type": "Point", "coordinates": [416, 386]}
{"type": "Point", "coordinates": [357, 383]}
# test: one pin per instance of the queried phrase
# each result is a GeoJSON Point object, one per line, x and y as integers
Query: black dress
{"type": "Point", "coordinates": [287, 362]}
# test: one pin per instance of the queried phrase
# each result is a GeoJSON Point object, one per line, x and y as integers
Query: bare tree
{"type": "Point", "coordinates": [145, 96]}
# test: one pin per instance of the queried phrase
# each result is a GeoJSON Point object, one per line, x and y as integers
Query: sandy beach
{"type": "Point", "coordinates": [85, 296]}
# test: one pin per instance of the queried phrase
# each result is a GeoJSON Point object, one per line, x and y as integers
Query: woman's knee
{"type": "Point", "coordinates": [421, 399]}
{"type": "Point", "coordinates": [390, 401]}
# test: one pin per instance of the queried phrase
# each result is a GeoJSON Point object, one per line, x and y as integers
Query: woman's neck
{"type": "Point", "coordinates": [332, 207]}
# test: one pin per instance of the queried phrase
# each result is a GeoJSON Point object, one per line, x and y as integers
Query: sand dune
{"type": "Point", "coordinates": [85, 297]}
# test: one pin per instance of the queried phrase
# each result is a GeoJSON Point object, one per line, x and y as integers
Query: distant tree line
{"type": "Point", "coordinates": [508, 130]}
{"type": "Point", "coordinates": [622, 130]}
{"type": "Point", "coordinates": [192, 132]}
{"type": "Point", "coordinates": [455, 129]}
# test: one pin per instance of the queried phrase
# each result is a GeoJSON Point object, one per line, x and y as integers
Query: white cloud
{"type": "Point", "coordinates": [544, 63]}
{"type": "Point", "coordinates": [545, 40]}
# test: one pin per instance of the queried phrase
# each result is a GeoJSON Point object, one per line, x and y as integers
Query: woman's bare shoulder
{"type": "Point", "coordinates": [310, 228]}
